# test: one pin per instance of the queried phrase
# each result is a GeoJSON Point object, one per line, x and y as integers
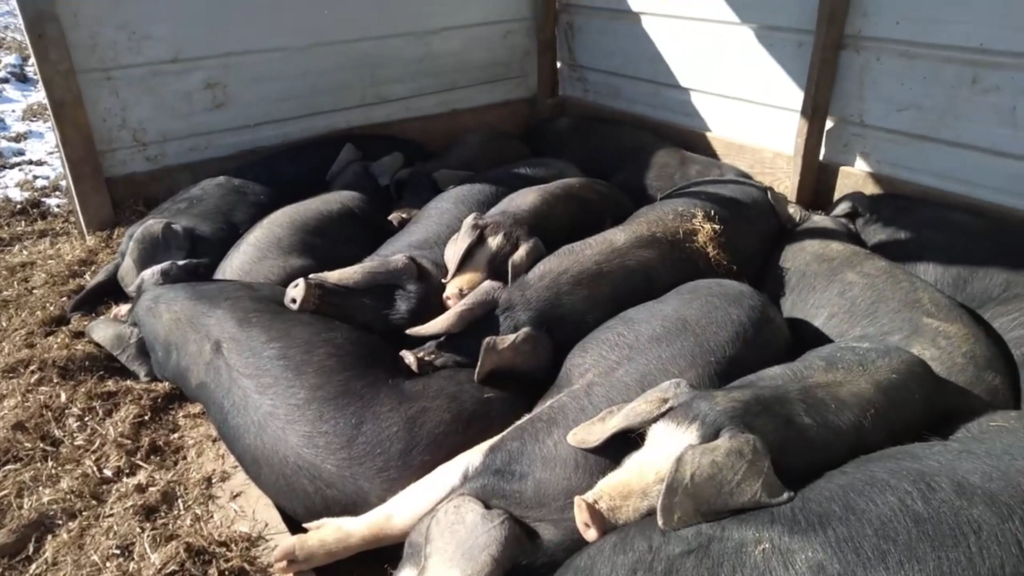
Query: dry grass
{"type": "Point", "coordinates": [11, 44]}
{"type": "Point", "coordinates": [703, 229]}
{"type": "Point", "coordinates": [99, 474]}
{"type": "Point", "coordinates": [36, 111]}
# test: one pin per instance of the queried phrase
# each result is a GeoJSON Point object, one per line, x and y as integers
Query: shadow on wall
{"type": "Point", "coordinates": [736, 68]}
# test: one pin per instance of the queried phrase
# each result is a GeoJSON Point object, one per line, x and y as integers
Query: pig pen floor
{"type": "Point", "coordinates": [100, 474]}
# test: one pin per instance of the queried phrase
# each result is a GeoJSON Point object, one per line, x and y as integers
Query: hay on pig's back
{"type": "Point", "coordinates": [99, 474]}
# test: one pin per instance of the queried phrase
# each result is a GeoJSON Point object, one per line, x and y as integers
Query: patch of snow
{"type": "Point", "coordinates": [30, 164]}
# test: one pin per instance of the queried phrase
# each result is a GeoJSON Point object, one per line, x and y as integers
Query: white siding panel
{"type": "Point", "coordinates": [200, 147]}
{"type": "Point", "coordinates": [731, 61]}
{"type": "Point", "coordinates": [983, 24]}
{"type": "Point", "coordinates": [167, 83]}
{"type": "Point", "coordinates": [977, 174]}
{"type": "Point", "coordinates": [794, 14]}
{"type": "Point", "coordinates": [738, 120]}
{"type": "Point", "coordinates": [170, 101]}
{"type": "Point", "coordinates": [944, 94]}
{"type": "Point", "coordinates": [930, 91]}
{"type": "Point", "coordinates": [109, 34]}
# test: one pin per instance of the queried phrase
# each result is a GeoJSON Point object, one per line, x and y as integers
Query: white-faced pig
{"type": "Point", "coordinates": [507, 241]}
{"type": "Point", "coordinates": [717, 228]}
{"type": "Point", "coordinates": [399, 285]}
{"type": "Point", "coordinates": [509, 501]}
{"type": "Point", "coordinates": [947, 507]}
{"type": "Point", "coordinates": [709, 454]}
{"type": "Point", "coordinates": [473, 153]}
{"type": "Point", "coordinates": [322, 416]}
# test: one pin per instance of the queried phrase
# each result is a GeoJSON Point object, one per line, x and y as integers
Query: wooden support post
{"type": "Point", "coordinates": [821, 75]}
{"type": "Point", "coordinates": [83, 171]}
{"type": "Point", "coordinates": [547, 53]}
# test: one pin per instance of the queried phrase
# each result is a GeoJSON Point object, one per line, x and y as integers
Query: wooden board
{"type": "Point", "coordinates": [741, 82]}
{"type": "Point", "coordinates": [116, 34]}
{"type": "Point", "coordinates": [547, 52]}
{"type": "Point", "coordinates": [821, 74]}
{"type": "Point", "coordinates": [436, 132]}
{"type": "Point", "coordinates": [86, 186]}
{"type": "Point", "coordinates": [182, 112]}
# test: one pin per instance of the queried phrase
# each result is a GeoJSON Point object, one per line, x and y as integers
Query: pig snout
{"type": "Point", "coordinates": [300, 295]}
{"type": "Point", "coordinates": [590, 521]}
{"type": "Point", "coordinates": [453, 295]}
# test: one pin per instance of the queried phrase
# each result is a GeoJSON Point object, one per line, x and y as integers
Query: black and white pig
{"type": "Point", "coordinates": [326, 232]}
{"type": "Point", "coordinates": [635, 160]}
{"type": "Point", "coordinates": [473, 153]}
{"type": "Point", "coordinates": [708, 228]}
{"type": "Point", "coordinates": [752, 444]}
{"type": "Point", "coordinates": [399, 285]}
{"type": "Point", "coordinates": [322, 416]}
{"type": "Point", "coordinates": [186, 236]}
{"type": "Point", "coordinates": [946, 507]}
{"type": "Point", "coordinates": [506, 242]}
{"type": "Point", "coordinates": [832, 290]}
{"type": "Point", "coordinates": [509, 501]}
{"type": "Point", "coordinates": [976, 258]}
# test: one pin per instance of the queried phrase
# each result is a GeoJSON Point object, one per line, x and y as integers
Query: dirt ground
{"type": "Point", "coordinates": [100, 474]}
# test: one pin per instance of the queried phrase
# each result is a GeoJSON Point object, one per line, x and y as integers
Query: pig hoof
{"type": "Point", "coordinates": [412, 360]}
{"type": "Point", "coordinates": [300, 296]}
{"type": "Point", "coordinates": [589, 520]}
{"type": "Point", "coordinates": [121, 312]}
{"type": "Point", "coordinates": [419, 364]}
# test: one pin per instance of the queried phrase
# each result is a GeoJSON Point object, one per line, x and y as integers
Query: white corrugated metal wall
{"type": "Point", "coordinates": [929, 91]}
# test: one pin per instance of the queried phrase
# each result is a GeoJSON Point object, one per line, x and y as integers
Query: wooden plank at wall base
{"type": "Point", "coordinates": [821, 75]}
{"type": "Point", "coordinates": [768, 166]}
{"type": "Point", "coordinates": [83, 172]}
{"type": "Point", "coordinates": [435, 131]}
{"type": "Point", "coordinates": [774, 168]}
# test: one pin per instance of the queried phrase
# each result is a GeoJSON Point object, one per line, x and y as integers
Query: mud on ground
{"type": "Point", "coordinates": [100, 474]}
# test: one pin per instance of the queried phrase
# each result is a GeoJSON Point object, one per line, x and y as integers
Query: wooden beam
{"type": "Point", "coordinates": [821, 75]}
{"type": "Point", "coordinates": [83, 171]}
{"type": "Point", "coordinates": [547, 54]}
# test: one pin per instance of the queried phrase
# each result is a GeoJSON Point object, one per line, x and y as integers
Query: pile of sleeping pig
{"type": "Point", "coordinates": [587, 352]}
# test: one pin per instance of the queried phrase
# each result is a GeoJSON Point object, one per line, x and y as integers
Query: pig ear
{"type": "Point", "coordinates": [395, 271]}
{"type": "Point", "coordinates": [155, 242]}
{"type": "Point", "coordinates": [710, 481]}
{"type": "Point", "coordinates": [384, 170]}
{"type": "Point", "coordinates": [348, 155]}
{"type": "Point", "coordinates": [125, 342]}
{"type": "Point", "coordinates": [460, 243]}
{"type": "Point", "coordinates": [468, 310]}
{"type": "Point", "coordinates": [631, 416]}
{"type": "Point", "coordinates": [396, 182]}
{"type": "Point", "coordinates": [525, 258]}
{"type": "Point", "coordinates": [462, 536]}
{"type": "Point", "coordinates": [446, 179]}
{"type": "Point", "coordinates": [527, 352]}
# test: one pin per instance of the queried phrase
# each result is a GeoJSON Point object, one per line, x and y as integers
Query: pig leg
{"type": "Point", "coordinates": [632, 491]}
{"type": "Point", "coordinates": [333, 539]}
